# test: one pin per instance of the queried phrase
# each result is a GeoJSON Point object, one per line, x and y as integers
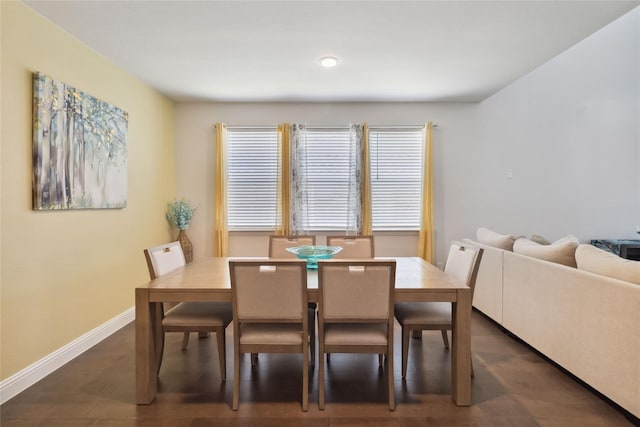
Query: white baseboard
{"type": "Point", "coordinates": [43, 367]}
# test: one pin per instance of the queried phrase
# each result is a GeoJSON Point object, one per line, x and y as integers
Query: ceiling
{"type": "Point", "coordinates": [388, 50]}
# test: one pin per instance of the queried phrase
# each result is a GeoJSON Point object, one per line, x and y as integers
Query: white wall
{"type": "Point", "coordinates": [569, 131]}
{"type": "Point", "coordinates": [196, 157]}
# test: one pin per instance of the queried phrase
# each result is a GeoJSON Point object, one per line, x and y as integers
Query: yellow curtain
{"type": "Point", "coordinates": [220, 227]}
{"type": "Point", "coordinates": [366, 184]}
{"type": "Point", "coordinates": [425, 238]}
{"type": "Point", "coordinates": [284, 181]}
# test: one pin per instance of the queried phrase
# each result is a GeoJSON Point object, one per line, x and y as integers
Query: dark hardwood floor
{"type": "Point", "coordinates": [513, 386]}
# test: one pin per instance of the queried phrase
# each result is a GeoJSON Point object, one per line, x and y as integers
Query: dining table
{"type": "Point", "coordinates": [208, 279]}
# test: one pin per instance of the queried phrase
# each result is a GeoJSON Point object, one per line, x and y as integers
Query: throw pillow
{"type": "Point", "coordinates": [561, 251]}
{"type": "Point", "coordinates": [596, 260]}
{"type": "Point", "coordinates": [497, 240]}
{"type": "Point", "coordinates": [539, 239]}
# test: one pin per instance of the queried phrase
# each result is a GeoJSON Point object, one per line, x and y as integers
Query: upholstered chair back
{"type": "Point", "coordinates": [278, 245]}
{"type": "Point", "coordinates": [356, 291]}
{"type": "Point", "coordinates": [463, 262]}
{"type": "Point", "coordinates": [269, 291]}
{"type": "Point", "coordinates": [164, 259]}
{"type": "Point", "coordinates": [353, 247]}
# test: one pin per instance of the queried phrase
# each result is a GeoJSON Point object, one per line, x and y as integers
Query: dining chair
{"type": "Point", "coordinates": [278, 245]}
{"type": "Point", "coordinates": [355, 312]}
{"type": "Point", "coordinates": [353, 247]}
{"type": "Point", "coordinates": [269, 313]}
{"type": "Point", "coordinates": [278, 249]}
{"type": "Point", "coordinates": [187, 317]}
{"type": "Point", "coordinates": [461, 266]}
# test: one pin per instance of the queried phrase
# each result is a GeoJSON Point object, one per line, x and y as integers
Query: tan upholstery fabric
{"type": "Point", "coordinates": [436, 313]}
{"type": "Point", "coordinates": [595, 260]}
{"type": "Point", "coordinates": [341, 287]}
{"type": "Point", "coordinates": [278, 245]}
{"type": "Point", "coordinates": [263, 294]}
{"type": "Point", "coordinates": [561, 251]}
{"type": "Point", "coordinates": [269, 334]}
{"type": "Point", "coordinates": [460, 262]}
{"type": "Point", "coordinates": [353, 247]}
{"type": "Point", "coordinates": [497, 240]}
{"type": "Point", "coordinates": [198, 314]}
{"type": "Point", "coordinates": [355, 334]}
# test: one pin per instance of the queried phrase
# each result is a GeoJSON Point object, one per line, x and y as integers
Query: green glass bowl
{"type": "Point", "coordinates": [314, 253]}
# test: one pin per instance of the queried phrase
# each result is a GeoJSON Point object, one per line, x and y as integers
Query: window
{"type": "Point", "coordinates": [252, 170]}
{"type": "Point", "coordinates": [396, 177]}
{"type": "Point", "coordinates": [328, 160]}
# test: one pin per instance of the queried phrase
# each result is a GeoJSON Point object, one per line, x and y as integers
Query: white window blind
{"type": "Point", "coordinates": [396, 175]}
{"type": "Point", "coordinates": [252, 170]}
{"type": "Point", "coordinates": [328, 170]}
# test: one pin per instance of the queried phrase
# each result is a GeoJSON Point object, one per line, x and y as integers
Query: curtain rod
{"type": "Point", "coordinates": [400, 126]}
{"type": "Point", "coordinates": [251, 126]}
{"type": "Point", "coordinates": [340, 127]}
{"type": "Point", "coordinates": [435, 125]}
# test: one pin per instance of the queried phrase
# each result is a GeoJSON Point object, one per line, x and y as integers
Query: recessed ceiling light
{"type": "Point", "coordinates": [329, 61]}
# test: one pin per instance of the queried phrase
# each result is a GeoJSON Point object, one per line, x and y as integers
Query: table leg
{"type": "Point", "coordinates": [461, 349]}
{"type": "Point", "coordinates": [146, 359]}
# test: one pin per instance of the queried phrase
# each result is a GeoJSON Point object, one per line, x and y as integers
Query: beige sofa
{"type": "Point", "coordinates": [587, 323]}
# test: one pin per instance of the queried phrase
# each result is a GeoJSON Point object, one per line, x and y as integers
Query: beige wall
{"type": "Point", "coordinates": [63, 273]}
{"type": "Point", "coordinates": [195, 159]}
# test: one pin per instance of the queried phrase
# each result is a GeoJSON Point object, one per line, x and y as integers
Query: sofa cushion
{"type": "Point", "coordinates": [497, 240]}
{"type": "Point", "coordinates": [595, 260]}
{"type": "Point", "coordinates": [561, 251]}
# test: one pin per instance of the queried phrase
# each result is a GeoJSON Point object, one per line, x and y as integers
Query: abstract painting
{"type": "Point", "coordinates": [79, 149]}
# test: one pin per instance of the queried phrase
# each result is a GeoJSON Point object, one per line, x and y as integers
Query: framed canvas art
{"type": "Point", "coordinates": [79, 149]}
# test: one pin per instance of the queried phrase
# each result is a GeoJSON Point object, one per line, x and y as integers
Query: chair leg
{"type": "Point", "coordinates": [380, 359]}
{"type": "Point", "coordinates": [305, 378]}
{"type": "Point", "coordinates": [392, 394]}
{"type": "Point", "coordinates": [236, 377]}
{"type": "Point", "coordinates": [222, 352]}
{"type": "Point", "coordinates": [406, 333]}
{"type": "Point", "coordinates": [321, 376]}
{"type": "Point", "coordinates": [312, 351]}
{"type": "Point", "coordinates": [185, 341]}
{"type": "Point", "coordinates": [445, 339]}
{"type": "Point", "coordinates": [312, 336]}
{"type": "Point", "coordinates": [254, 359]}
